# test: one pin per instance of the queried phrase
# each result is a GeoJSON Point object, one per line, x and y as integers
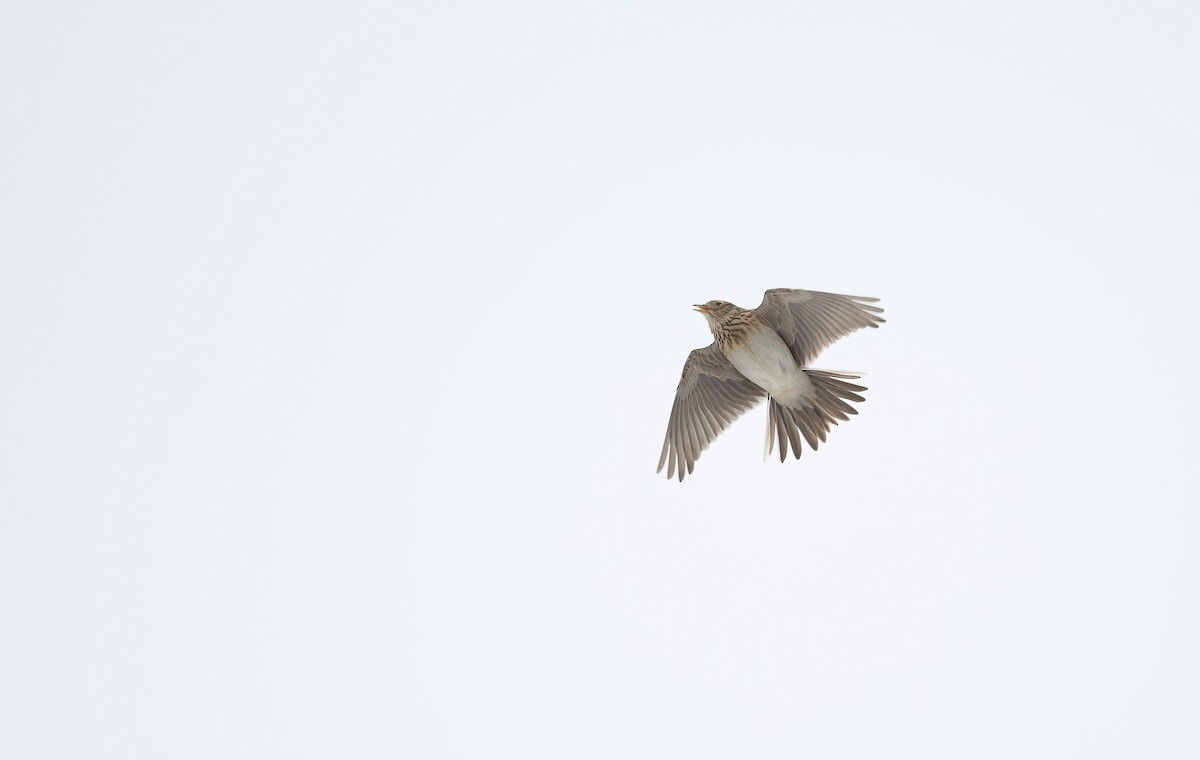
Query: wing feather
{"type": "Point", "coordinates": [711, 394]}
{"type": "Point", "coordinates": [809, 320]}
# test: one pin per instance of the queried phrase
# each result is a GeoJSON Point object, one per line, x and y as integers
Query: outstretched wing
{"type": "Point", "coordinates": [809, 320]}
{"type": "Point", "coordinates": [711, 395]}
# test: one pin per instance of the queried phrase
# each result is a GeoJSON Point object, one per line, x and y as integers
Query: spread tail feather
{"type": "Point", "coordinates": [829, 404]}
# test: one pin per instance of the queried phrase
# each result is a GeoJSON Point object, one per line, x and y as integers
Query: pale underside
{"type": "Point", "coordinates": [764, 359]}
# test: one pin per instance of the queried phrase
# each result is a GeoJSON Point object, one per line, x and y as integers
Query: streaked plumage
{"type": "Point", "coordinates": [764, 353]}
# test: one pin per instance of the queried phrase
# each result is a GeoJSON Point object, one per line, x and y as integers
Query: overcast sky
{"type": "Point", "coordinates": [339, 342]}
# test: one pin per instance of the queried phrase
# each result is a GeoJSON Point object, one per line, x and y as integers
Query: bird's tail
{"type": "Point", "coordinates": [829, 405]}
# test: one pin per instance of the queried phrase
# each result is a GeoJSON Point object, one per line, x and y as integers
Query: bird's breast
{"type": "Point", "coordinates": [763, 357]}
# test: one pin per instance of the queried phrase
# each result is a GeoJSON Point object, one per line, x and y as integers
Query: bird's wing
{"type": "Point", "coordinates": [711, 395]}
{"type": "Point", "coordinates": [808, 320]}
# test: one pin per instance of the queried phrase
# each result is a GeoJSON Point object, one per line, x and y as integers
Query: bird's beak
{"type": "Point", "coordinates": [700, 308]}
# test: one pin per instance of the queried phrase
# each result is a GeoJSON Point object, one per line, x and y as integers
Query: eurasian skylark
{"type": "Point", "coordinates": [765, 352]}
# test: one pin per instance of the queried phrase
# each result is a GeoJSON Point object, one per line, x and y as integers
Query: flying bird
{"type": "Point", "coordinates": [765, 352]}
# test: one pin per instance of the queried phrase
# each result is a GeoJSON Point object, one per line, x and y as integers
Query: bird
{"type": "Point", "coordinates": [765, 353]}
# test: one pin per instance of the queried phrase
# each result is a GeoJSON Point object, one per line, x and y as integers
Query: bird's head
{"type": "Point", "coordinates": [715, 311]}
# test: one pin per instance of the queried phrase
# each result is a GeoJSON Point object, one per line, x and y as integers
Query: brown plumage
{"type": "Point", "coordinates": [764, 352]}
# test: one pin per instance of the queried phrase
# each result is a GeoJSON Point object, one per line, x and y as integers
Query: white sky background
{"type": "Point", "coordinates": [339, 343]}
